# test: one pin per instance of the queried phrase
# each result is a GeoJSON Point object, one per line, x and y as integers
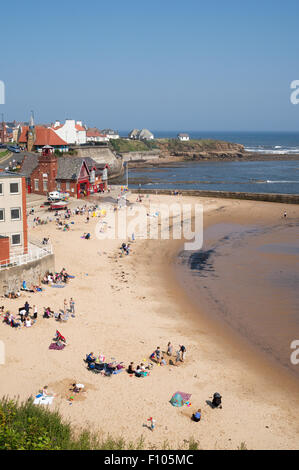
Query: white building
{"type": "Point", "coordinates": [71, 131]}
{"type": "Point", "coordinates": [94, 135]}
{"type": "Point", "coordinates": [145, 134]}
{"type": "Point", "coordinates": [183, 137]}
{"type": "Point", "coordinates": [111, 134]}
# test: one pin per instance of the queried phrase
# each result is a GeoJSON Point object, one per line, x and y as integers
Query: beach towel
{"type": "Point", "coordinates": [41, 400]}
{"type": "Point", "coordinates": [185, 396]}
{"type": "Point", "coordinates": [57, 285]}
{"type": "Point", "coordinates": [71, 277]}
{"type": "Point", "coordinates": [55, 346]}
{"type": "Point", "coordinates": [117, 371]}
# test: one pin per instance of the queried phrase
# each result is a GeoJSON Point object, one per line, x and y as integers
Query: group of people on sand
{"type": "Point", "coordinates": [125, 249]}
{"type": "Point", "coordinates": [159, 358]}
{"type": "Point", "coordinates": [56, 278]}
{"type": "Point", "coordinates": [68, 307]}
{"type": "Point", "coordinates": [98, 364]}
{"type": "Point", "coordinates": [24, 317]}
{"type": "Point", "coordinates": [140, 371]}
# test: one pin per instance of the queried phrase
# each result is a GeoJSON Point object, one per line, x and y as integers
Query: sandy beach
{"type": "Point", "coordinates": [126, 307]}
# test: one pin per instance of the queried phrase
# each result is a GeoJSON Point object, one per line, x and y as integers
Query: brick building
{"type": "Point", "coordinates": [46, 173]}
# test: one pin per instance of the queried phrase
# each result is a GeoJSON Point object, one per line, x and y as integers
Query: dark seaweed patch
{"type": "Point", "coordinates": [199, 261]}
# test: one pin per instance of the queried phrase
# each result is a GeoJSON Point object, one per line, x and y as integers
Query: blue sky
{"type": "Point", "coordinates": [164, 65]}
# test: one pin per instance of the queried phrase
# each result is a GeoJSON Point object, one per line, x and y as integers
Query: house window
{"type": "Point", "coordinates": [16, 239]}
{"type": "Point", "coordinates": [36, 185]}
{"type": "Point", "coordinates": [15, 213]}
{"type": "Point", "coordinates": [45, 185]}
{"type": "Point", "coordinates": [14, 188]}
{"type": "Point", "coordinates": [67, 186]}
{"type": "Point", "coordinates": [2, 213]}
{"type": "Point", "coordinates": [58, 186]}
{"type": "Point", "coordinates": [1, 189]}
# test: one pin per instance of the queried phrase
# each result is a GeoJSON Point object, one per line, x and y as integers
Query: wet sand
{"type": "Point", "coordinates": [247, 277]}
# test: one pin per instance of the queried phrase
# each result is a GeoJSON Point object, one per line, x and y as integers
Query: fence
{"type": "Point", "coordinates": [36, 250]}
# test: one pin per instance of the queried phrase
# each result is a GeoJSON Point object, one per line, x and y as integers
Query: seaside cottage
{"type": "Point", "coordinates": [145, 134]}
{"type": "Point", "coordinates": [183, 137]}
{"type": "Point", "coordinates": [94, 135]}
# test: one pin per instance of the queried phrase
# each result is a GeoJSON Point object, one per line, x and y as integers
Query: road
{"type": "Point", "coordinates": [12, 157]}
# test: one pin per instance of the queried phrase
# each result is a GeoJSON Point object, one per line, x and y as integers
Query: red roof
{"type": "Point", "coordinates": [94, 134]}
{"type": "Point", "coordinates": [80, 128]}
{"type": "Point", "coordinates": [44, 136]}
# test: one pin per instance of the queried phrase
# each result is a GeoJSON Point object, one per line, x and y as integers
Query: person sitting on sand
{"type": "Point", "coordinates": [138, 371]}
{"type": "Point", "coordinates": [28, 323]}
{"type": "Point", "coordinates": [162, 361]}
{"type": "Point", "coordinates": [158, 354]}
{"type": "Point", "coordinates": [217, 399]}
{"type": "Point", "coordinates": [197, 416]}
{"type": "Point", "coordinates": [91, 357]}
{"type": "Point", "coordinates": [77, 388]}
{"type": "Point", "coordinates": [131, 369]}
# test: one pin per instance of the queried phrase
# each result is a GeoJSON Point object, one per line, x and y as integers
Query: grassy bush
{"type": "Point", "coordinates": [25, 426]}
{"type": "Point", "coordinates": [4, 153]}
{"type": "Point", "coordinates": [126, 145]}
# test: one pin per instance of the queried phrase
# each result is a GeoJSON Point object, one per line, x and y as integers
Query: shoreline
{"type": "Point", "coordinates": [126, 307]}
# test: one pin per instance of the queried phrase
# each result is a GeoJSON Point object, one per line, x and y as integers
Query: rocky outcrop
{"type": "Point", "coordinates": [202, 148]}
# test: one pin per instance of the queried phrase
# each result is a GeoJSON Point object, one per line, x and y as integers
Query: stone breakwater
{"type": "Point", "coordinates": [279, 198]}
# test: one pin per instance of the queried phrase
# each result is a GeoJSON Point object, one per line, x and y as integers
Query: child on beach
{"type": "Point", "coordinates": [152, 423]}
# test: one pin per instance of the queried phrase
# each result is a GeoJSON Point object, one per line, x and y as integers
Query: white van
{"type": "Point", "coordinates": [54, 196]}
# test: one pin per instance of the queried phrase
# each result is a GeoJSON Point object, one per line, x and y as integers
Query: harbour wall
{"type": "Point", "coordinates": [281, 198]}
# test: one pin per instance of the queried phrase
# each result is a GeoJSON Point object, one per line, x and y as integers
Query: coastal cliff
{"type": "Point", "coordinates": [161, 151]}
{"type": "Point", "coordinates": [202, 148]}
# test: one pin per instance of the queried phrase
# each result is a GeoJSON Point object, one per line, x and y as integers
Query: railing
{"type": "Point", "coordinates": [35, 252]}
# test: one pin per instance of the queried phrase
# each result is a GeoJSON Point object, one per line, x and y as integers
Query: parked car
{"type": "Point", "coordinates": [13, 148]}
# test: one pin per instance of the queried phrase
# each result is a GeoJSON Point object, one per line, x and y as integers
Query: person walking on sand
{"type": "Point", "coordinates": [72, 305]}
{"type": "Point", "coordinates": [169, 349]}
{"type": "Point", "coordinates": [183, 352]}
{"type": "Point", "coordinates": [65, 306]}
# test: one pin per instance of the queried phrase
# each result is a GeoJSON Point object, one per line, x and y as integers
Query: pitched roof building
{"type": "Point", "coordinates": [40, 136]}
{"type": "Point", "coordinates": [75, 175]}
